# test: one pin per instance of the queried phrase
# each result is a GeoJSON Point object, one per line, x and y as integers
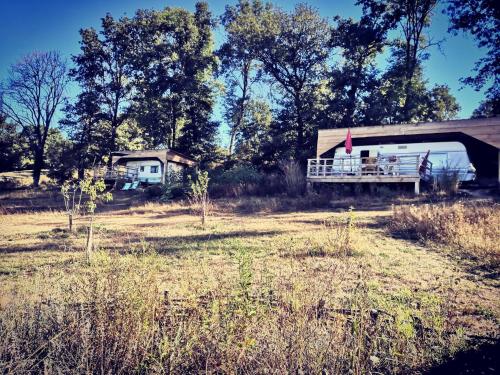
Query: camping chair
{"type": "Point", "coordinates": [134, 185]}
{"type": "Point", "coordinates": [127, 186]}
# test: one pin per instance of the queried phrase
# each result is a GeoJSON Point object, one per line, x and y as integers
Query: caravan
{"type": "Point", "coordinates": [444, 157]}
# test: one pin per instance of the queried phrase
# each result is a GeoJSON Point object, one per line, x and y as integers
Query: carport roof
{"type": "Point", "coordinates": [486, 130]}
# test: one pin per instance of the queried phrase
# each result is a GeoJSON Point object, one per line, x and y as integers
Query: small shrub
{"type": "Point", "coordinates": [199, 196]}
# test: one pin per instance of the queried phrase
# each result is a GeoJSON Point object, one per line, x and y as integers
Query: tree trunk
{"type": "Point", "coordinates": [90, 239]}
{"type": "Point", "coordinates": [231, 142]}
{"type": "Point", "coordinates": [70, 222]}
{"type": "Point", "coordinates": [37, 167]}
{"type": "Point", "coordinates": [300, 127]}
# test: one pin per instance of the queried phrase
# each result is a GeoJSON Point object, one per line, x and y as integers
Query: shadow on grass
{"type": "Point", "coordinates": [483, 359]}
{"type": "Point", "coordinates": [175, 244]}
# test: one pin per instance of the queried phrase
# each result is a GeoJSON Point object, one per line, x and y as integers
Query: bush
{"type": "Point", "coordinates": [243, 180]}
{"type": "Point", "coordinates": [154, 191]}
{"type": "Point", "coordinates": [471, 229]}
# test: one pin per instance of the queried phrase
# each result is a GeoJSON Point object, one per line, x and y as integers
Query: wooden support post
{"type": "Point", "coordinates": [417, 187]}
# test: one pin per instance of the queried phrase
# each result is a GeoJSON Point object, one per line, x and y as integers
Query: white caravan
{"type": "Point", "coordinates": [445, 157]}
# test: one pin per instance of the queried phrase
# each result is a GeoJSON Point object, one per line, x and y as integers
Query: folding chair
{"type": "Point", "coordinates": [127, 186]}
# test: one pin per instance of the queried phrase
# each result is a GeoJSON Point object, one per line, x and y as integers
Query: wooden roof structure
{"type": "Point", "coordinates": [486, 130]}
{"type": "Point", "coordinates": [163, 155]}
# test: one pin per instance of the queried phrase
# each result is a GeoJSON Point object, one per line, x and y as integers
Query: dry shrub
{"type": "Point", "coordinates": [295, 180]}
{"type": "Point", "coordinates": [112, 318]}
{"type": "Point", "coordinates": [446, 182]}
{"type": "Point", "coordinates": [473, 229]}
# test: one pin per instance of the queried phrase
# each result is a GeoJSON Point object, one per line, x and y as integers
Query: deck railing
{"type": "Point", "coordinates": [116, 172]}
{"type": "Point", "coordinates": [400, 165]}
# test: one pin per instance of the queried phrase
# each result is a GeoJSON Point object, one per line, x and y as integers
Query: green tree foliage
{"type": "Point", "coordinates": [293, 49]}
{"type": "Point", "coordinates": [239, 64]}
{"type": "Point", "coordinates": [254, 132]}
{"type": "Point", "coordinates": [173, 63]}
{"type": "Point", "coordinates": [12, 147]}
{"type": "Point", "coordinates": [60, 160]}
{"type": "Point", "coordinates": [480, 18]}
{"type": "Point", "coordinates": [103, 70]}
{"type": "Point", "coordinates": [355, 78]}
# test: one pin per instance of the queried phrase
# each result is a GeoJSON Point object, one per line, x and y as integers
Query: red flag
{"type": "Point", "coordinates": [423, 165]}
{"type": "Point", "coordinates": [348, 142]}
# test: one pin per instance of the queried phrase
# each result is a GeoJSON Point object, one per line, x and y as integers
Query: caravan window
{"type": "Point", "coordinates": [364, 154]}
{"type": "Point", "coordinates": [142, 168]}
{"type": "Point", "coordinates": [154, 169]}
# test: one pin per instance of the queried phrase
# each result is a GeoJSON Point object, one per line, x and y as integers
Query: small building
{"type": "Point", "coordinates": [481, 138]}
{"type": "Point", "coordinates": [148, 166]}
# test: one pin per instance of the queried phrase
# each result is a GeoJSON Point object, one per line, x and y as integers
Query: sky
{"type": "Point", "coordinates": [44, 25]}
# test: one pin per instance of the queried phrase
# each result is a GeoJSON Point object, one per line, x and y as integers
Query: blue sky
{"type": "Point", "coordinates": [42, 25]}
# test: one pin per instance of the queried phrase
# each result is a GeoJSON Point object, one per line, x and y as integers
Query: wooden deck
{"type": "Point", "coordinates": [383, 169]}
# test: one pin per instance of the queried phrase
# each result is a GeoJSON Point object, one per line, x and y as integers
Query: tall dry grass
{"type": "Point", "coordinates": [473, 230]}
{"type": "Point", "coordinates": [114, 316]}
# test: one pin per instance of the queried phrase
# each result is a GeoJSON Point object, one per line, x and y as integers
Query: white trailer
{"type": "Point", "coordinates": [444, 157]}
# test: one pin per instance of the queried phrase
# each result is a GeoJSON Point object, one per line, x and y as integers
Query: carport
{"type": "Point", "coordinates": [481, 137]}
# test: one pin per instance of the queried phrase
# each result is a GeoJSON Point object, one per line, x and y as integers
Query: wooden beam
{"type": "Point", "coordinates": [364, 179]}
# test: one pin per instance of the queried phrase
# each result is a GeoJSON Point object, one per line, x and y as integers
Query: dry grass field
{"type": "Point", "coordinates": [266, 286]}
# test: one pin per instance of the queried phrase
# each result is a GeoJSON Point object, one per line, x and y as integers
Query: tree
{"type": "Point", "coordinates": [441, 105]}
{"type": "Point", "coordinates": [481, 18]}
{"type": "Point", "coordinates": [293, 49]}
{"type": "Point", "coordinates": [198, 138]}
{"type": "Point", "coordinates": [173, 63]}
{"type": "Point", "coordinates": [31, 97]}
{"type": "Point", "coordinates": [386, 104]}
{"type": "Point", "coordinates": [359, 43]}
{"type": "Point", "coordinates": [103, 70]}
{"type": "Point", "coordinates": [408, 52]}
{"type": "Point", "coordinates": [485, 109]}
{"type": "Point", "coordinates": [239, 62]}
{"type": "Point", "coordinates": [254, 132]}
{"type": "Point", "coordinates": [83, 122]}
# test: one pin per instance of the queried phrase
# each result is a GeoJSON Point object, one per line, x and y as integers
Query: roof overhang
{"type": "Point", "coordinates": [162, 155]}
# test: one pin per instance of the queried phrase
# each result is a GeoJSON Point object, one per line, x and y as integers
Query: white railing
{"type": "Point", "coordinates": [400, 165]}
{"type": "Point", "coordinates": [116, 172]}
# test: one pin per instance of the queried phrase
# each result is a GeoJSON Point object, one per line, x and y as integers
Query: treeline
{"type": "Point", "coordinates": [153, 80]}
